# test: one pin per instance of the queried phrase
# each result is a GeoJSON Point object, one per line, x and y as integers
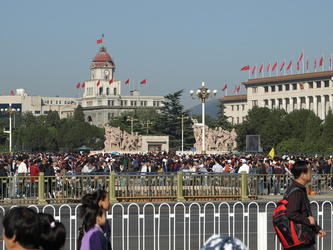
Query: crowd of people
{"type": "Point", "coordinates": [99, 164]}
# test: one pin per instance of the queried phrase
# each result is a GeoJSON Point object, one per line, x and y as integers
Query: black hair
{"type": "Point", "coordinates": [92, 199]}
{"type": "Point", "coordinates": [24, 224]}
{"type": "Point", "coordinates": [89, 220]}
{"type": "Point", "coordinates": [299, 168]}
{"type": "Point", "coordinates": [53, 234]}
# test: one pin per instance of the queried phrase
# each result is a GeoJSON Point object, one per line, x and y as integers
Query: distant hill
{"type": "Point", "coordinates": [210, 108]}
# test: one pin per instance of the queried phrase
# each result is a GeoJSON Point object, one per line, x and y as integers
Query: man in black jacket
{"type": "Point", "coordinates": [299, 204]}
{"type": "Point", "coordinates": [3, 181]}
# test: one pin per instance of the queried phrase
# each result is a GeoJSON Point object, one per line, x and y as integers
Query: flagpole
{"type": "Point", "coordinates": [291, 68]}
{"type": "Point", "coordinates": [322, 67]}
{"type": "Point", "coordinates": [255, 71]}
{"type": "Point", "coordinates": [262, 70]}
{"type": "Point", "coordinates": [284, 68]}
{"type": "Point", "coordinates": [331, 62]}
{"type": "Point", "coordinates": [303, 61]}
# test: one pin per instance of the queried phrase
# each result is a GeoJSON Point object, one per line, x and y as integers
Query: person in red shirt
{"type": "Point", "coordinates": [33, 185]}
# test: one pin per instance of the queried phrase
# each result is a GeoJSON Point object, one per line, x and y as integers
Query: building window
{"type": "Point", "coordinates": [326, 84]}
{"type": "Point", "coordinates": [273, 88]}
{"type": "Point", "coordinates": [232, 120]}
{"type": "Point", "coordinates": [115, 91]}
{"type": "Point", "coordinates": [51, 102]}
{"type": "Point", "coordinates": [237, 120]}
{"type": "Point", "coordinates": [107, 91]}
{"type": "Point", "coordinates": [123, 103]}
{"type": "Point", "coordinates": [318, 84]}
{"type": "Point", "coordinates": [254, 103]}
{"type": "Point", "coordinates": [266, 89]}
{"type": "Point", "coordinates": [237, 107]}
{"type": "Point", "coordinates": [243, 107]}
{"type": "Point", "coordinates": [133, 103]}
{"type": "Point", "coordinates": [232, 107]}
{"type": "Point", "coordinates": [156, 103]}
{"type": "Point", "coordinates": [46, 112]}
{"type": "Point", "coordinates": [254, 90]}
{"type": "Point", "coordinates": [111, 103]}
{"type": "Point", "coordinates": [37, 112]}
{"type": "Point", "coordinates": [310, 85]}
{"type": "Point", "coordinates": [286, 86]}
{"type": "Point", "coordinates": [279, 87]}
{"type": "Point", "coordinates": [294, 86]}
{"type": "Point", "coordinates": [143, 103]}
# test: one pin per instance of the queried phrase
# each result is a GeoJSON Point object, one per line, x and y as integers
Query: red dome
{"type": "Point", "coordinates": [102, 56]}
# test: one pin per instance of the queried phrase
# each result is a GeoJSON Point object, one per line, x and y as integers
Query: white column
{"type": "Point", "coordinates": [291, 104]}
{"type": "Point", "coordinates": [277, 103]}
{"type": "Point", "coordinates": [323, 105]}
{"type": "Point", "coordinates": [299, 103]}
{"type": "Point", "coordinates": [315, 105]}
{"type": "Point", "coordinates": [307, 102]}
{"type": "Point", "coordinates": [270, 104]}
{"type": "Point", "coordinates": [331, 102]}
{"type": "Point", "coordinates": [284, 104]}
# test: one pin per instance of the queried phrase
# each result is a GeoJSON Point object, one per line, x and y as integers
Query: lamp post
{"type": "Point", "coordinates": [148, 123]}
{"type": "Point", "coordinates": [182, 118]}
{"type": "Point", "coordinates": [132, 120]}
{"type": "Point", "coordinates": [10, 111]}
{"type": "Point", "coordinates": [203, 94]}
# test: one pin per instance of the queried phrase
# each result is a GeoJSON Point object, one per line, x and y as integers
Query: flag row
{"type": "Point", "coordinates": [286, 67]}
{"type": "Point", "coordinates": [82, 85]}
{"type": "Point", "coordinates": [236, 90]}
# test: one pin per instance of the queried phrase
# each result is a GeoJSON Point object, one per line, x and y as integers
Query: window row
{"type": "Point", "coordinates": [293, 86]}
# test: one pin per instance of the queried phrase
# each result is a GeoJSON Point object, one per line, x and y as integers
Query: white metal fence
{"type": "Point", "coordinates": [187, 225]}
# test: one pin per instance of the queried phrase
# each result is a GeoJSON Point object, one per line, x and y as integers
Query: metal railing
{"type": "Point", "coordinates": [187, 225]}
{"type": "Point", "coordinates": [134, 187]}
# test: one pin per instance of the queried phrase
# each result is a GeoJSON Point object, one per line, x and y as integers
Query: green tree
{"type": "Point", "coordinates": [296, 121]}
{"type": "Point", "coordinates": [170, 124]}
{"type": "Point", "coordinates": [222, 119]}
{"type": "Point", "coordinates": [312, 128]}
{"type": "Point", "coordinates": [78, 114]}
{"type": "Point", "coordinates": [327, 133]}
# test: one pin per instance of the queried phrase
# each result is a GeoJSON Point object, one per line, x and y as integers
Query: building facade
{"type": "Point", "coordinates": [102, 98]}
{"type": "Point", "coordinates": [312, 91]}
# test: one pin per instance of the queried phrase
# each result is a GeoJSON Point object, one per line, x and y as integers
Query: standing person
{"type": "Point", "coordinates": [244, 167]}
{"type": "Point", "coordinates": [100, 198]}
{"type": "Point", "coordinates": [21, 229]}
{"type": "Point", "coordinates": [93, 219]}
{"type": "Point", "coordinates": [33, 186]}
{"type": "Point", "coordinates": [298, 202]}
{"type": "Point", "coordinates": [22, 170]}
{"type": "Point", "coordinates": [4, 181]}
{"type": "Point", "coordinates": [53, 234]}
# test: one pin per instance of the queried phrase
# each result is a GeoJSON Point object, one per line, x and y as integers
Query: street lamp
{"type": "Point", "coordinates": [10, 111]}
{"type": "Point", "coordinates": [182, 118]}
{"type": "Point", "coordinates": [132, 120]}
{"type": "Point", "coordinates": [203, 94]}
{"type": "Point", "coordinates": [148, 123]}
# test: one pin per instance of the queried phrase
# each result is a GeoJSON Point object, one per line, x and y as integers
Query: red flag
{"type": "Point", "coordinates": [225, 87]}
{"type": "Point", "coordinates": [144, 81]}
{"type": "Point", "coordinates": [98, 83]}
{"type": "Point", "coordinates": [254, 69]}
{"type": "Point", "coordinates": [83, 85]}
{"type": "Point", "coordinates": [330, 61]}
{"type": "Point", "coordinates": [274, 66]}
{"type": "Point", "coordinates": [99, 41]}
{"type": "Point", "coordinates": [78, 85]}
{"type": "Point", "coordinates": [315, 63]}
{"type": "Point", "coordinates": [290, 64]}
{"type": "Point", "coordinates": [297, 65]}
{"type": "Point", "coordinates": [268, 67]}
{"type": "Point", "coordinates": [282, 65]}
{"type": "Point", "coordinates": [238, 88]}
{"type": "Point", "coordinates": [12, 92]}
{"type": "Point", "coordinates": [301, 56]}
{"type": "Point", "coordinates": [261, 67]}
{"type": "Point", "coordinates": [307, 63]}
{"type": "Point", "coordinates": [111, 81]}
{"type": "Point", "coordinates": [127, 81]}
{"type": "Point", "coordinates": [247, 67]}
{"type": "Point", "coordinates": [321, 61]}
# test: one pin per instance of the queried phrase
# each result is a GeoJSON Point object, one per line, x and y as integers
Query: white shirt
{"type": "Point", "coordinates": [22, 168]}
{"type": "Point", "coordinates": [217, 168]}
{"type": "Point", "coordinates": [245, 168]}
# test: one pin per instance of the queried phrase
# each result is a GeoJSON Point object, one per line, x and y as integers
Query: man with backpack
{"type": "Point", "coordinates": [299, 228]}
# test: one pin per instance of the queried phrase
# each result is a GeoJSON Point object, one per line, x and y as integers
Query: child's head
{"type": "Point", "coordinates": [99, 197]}
{"type": "Point", "coordinates": [93, 215]}
{"type": "Point", "coordinates": [53, 234]}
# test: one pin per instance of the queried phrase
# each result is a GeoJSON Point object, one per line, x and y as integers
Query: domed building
{"type": "Point", "coordinates": [102, 97]}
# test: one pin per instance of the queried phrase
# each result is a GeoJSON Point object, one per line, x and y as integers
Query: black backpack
{"type": "Point", "coordinates": [289, 232]}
